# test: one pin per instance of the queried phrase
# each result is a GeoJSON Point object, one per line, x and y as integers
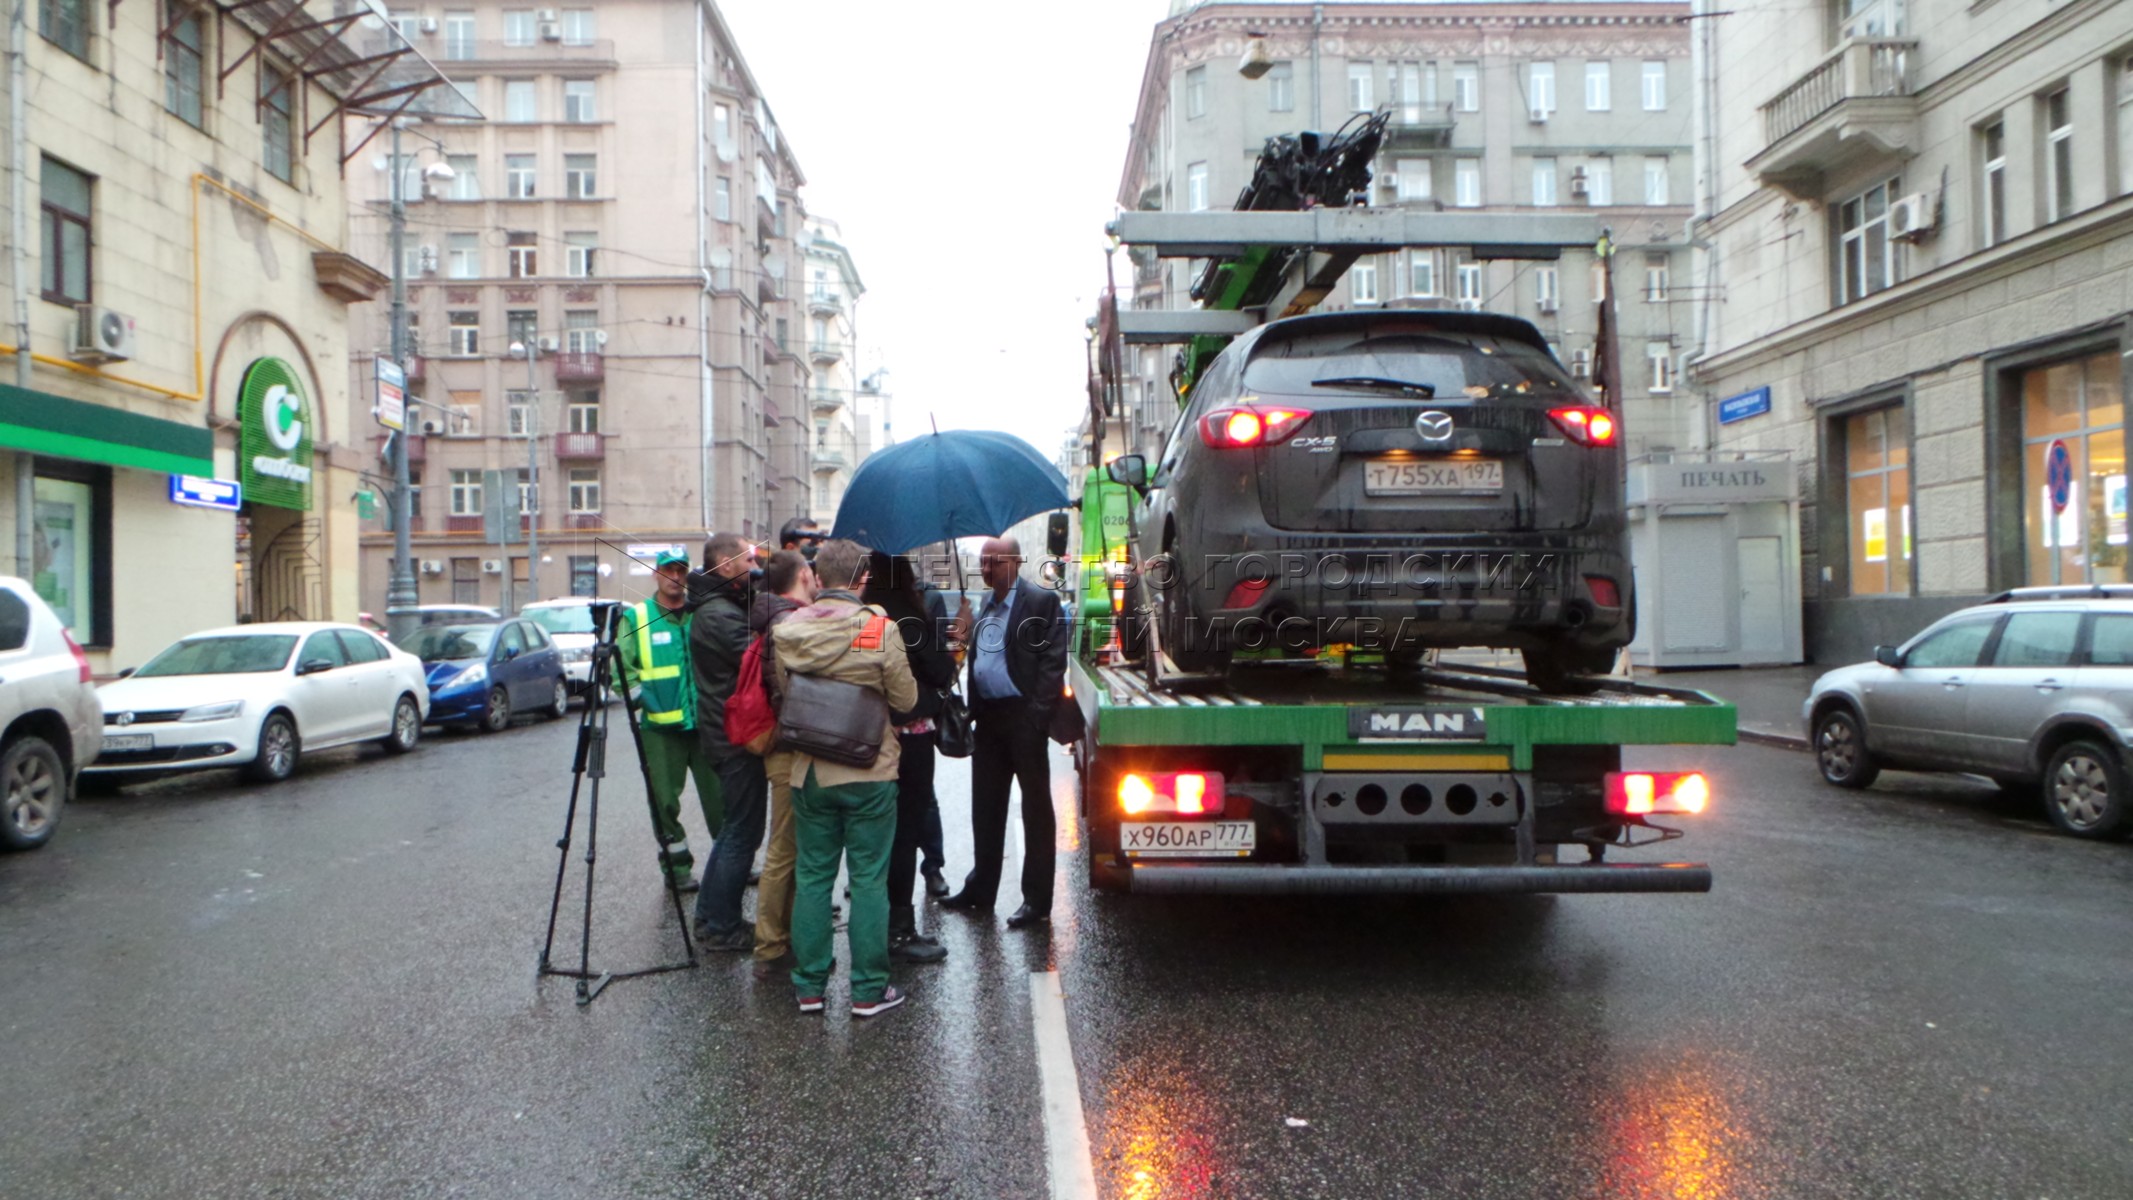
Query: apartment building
{"type": "Point", "coordinates": [1504, 107]}
{"type": "Point", "coordinates": [630, 211]}
{"type": "Point", "coordinates": [1923, 224]}
{"type": "Point", "coordinates": [180, 457]}
{"type": "Point", "coordinates": [834, 399]}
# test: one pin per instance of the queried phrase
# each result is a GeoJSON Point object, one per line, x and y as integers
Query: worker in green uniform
{"type": "Point", "coordinates": [652, 662]}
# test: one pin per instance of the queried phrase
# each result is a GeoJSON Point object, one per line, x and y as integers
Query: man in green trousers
{"type": "Point", "coordinates": [652, 661]}
{"type": "Point", "coordinates": [842, 811]}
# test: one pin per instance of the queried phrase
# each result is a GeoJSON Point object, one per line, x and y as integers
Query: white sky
{"type": "Point", "coordinates": [971, 153]}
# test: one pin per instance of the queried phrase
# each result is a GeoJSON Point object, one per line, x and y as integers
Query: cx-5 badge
{"type": "Point", "coordinates": [1434, 427]}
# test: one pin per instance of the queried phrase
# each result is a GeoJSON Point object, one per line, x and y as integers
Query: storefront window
{"type": "Point", "coordinates": [1878, 501]}
{"type": "Point", "coordinates": [2077, 405]}
{"type": "Point", "coordinates": [66, 551]}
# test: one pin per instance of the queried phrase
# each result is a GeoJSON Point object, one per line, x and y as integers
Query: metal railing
{"type": "Point", "coordinates": [1859, 67]}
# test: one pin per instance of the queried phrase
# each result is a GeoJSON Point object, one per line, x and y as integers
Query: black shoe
{"type": "Point", "coordinates": [1025, 917]}
{"type": "Point", "coordinates": [916, 948]}
{"type": "Point", "coordinates": [686, 886]}
{"type": "Point", "coordinates": [962, 899]}
{"type": "Point", "coordinates": [754, 877]}
{"type": "Point", "coordinates": [936, 886]}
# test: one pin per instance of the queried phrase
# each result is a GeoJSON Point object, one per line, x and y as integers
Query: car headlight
{"type": "Point", "coordinates": [213, 712]}
{"type": "Point", "coordinates": [467, 678]}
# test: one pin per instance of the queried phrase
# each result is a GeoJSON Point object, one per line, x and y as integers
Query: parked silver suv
{"type": "Point", "coordinates": [2033, 689]}
{"type": "Point", "coordinates": [53, 726]}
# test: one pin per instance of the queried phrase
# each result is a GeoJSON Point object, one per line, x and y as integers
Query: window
{"type": "Point", "coordinates": [1362, 86]}
{"type": "Point", "coordinates": [1466, 86]}
{"type": "Point", "coordinates": [2037, 639]}
{"type": "Point", "coordinates": [585, 489]}
{"type": "Point", "coordinates": [1867, 256]}
{"type": "Point", "coordinates": [1954, 645]}
{"type": "Point", "coordinates": [1466, 182]}
{"type": "Point", "coordinates": [463, 333]}
{"type": "Point", "coordinates": [1655, 87]}
{"type": "Point", "coordinates": [1877, 473]}
{"type": "Point", "coordinates": [520, 325]}
{"type": "Point", "coordinates": [1600, 182]}
{"type": "Point", "coordinates": [1992, 206]}
{"type": "Point", "coordinates": [581, 330]}
{"type": "Point", "coordinates": [1470, 285]}
{"type": "Point", "coordinates": [277, 130]}
{"type": "Point", "coordinates": [583, 415]}
{"type": "Point", "coordinates": [1540, 90]}
{"type": "Point", "coordinates": [521, 101]}
{"type": "Point", "coordinates": [1581, 363]}
{"type": "Point", "coordinates": [410, 177]}
{"type": "Point", "coordinates": [1544, 182]}
{"type": "Point", "coordinates": [466, 572]}
{"type": "Point", "coordinates": [1547, 288]}
{"type": "Point", "coordinates": [64, 201]}
{"type": "Point", "coordinates": [73, 527]}
{"type": "Point", "coordinates": [522, 253]}
{"type": "Point", "coordinates": [466, 496]}
{"type": "Point", "coordinates": [580, 176]}
{"type": "Point", "coordinates": [518, 410]}
{"type": "Point", "coordinates": [1421, 272]}
{"type": "Point", "coordinates": [1655, 180]}
{"type": "Point", "coordinates": [1599, 86]}
{"type": "Point", "coordinates": [1196, 93]}
{"type": "Point", "coordinates": [182, 56]}
{"type": "Point", "coordinates": [1869, 18]}
{"type": "Point", "coordinates": [2077, 403]}
{"type": "Point", "coordinates": [1412, 178]}
{"type": "Point", "coordinates": [2122, 87]}
{"type": "Point", "coordinates": [1363, 282]}
{"type": "Point", "coordinates": [520, 29]}
{"type": "Point", "coordinates": [466, 177]}
{"type": "Point", "coordinates": [579, 248]}
{"type": "Point", "coordinates": [722, 124]}
{"type": "Point", "coordinates": [529, 496]}
{"type": "Point", "coordinates": [2058, 156]}
{"type": "Point", "coordinates": [584, 575]}
{"type": "Point", "coordinates": [1281, 87]}
{"type": "Point", "coordinates": [519, 176]}
{"type": "Point", "coordinates": [1659, 357]}
{"type": "Point", "coordinates": [722, 199]}
{"type": "Point", "coordinates": [65, 23]}
{"type": "Point", "coordinates": [462, 256]}
{"type": "Point", "coordinates": [578, 101]}
{"type": "Point", "coordinates": [2111, 640]}
{"type": "Point", "coordinates": [1196, 187]}
{"type": "Point", "coordinates": [459, 35]}
{"type": "Point", "coordinates": [1655, 278]}
{"type": "Point", "coordinates": [1408, 91]}
{"type": "Point", "coordinates": [579, 27]}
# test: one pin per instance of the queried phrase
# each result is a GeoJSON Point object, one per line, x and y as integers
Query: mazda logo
{"type": "Point", "coordinates": [125, 718]}
{"type": "Point", "coordinates": [1434, 427]}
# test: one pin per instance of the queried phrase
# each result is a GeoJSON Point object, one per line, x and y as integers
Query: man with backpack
{"type": "Point", "coordinates": [718, 639]}
{"type": "Point", "coordinates": [788, 585]}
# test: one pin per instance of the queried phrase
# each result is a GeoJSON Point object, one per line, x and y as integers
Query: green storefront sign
{"type": "Point", "coordinates": [274, 439]}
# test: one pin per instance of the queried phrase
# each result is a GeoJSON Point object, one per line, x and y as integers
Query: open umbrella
{"type": "Point", "coordinates": [942, 486]}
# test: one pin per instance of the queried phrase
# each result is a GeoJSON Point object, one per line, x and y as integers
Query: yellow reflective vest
{"type": "Point", "coordinates": [652, 658]}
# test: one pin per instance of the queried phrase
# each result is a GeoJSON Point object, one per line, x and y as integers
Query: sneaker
{"type": "Point", "coordinates": [742, 938]}
{"type": "Point", "coordinates": [916, 948]}
{"type": "Point", "coordinates": [813, 1004]}
{"type": "Point", "coordinates": [936, 885]}
{"type": "Point", "coordinates": [890, 998]}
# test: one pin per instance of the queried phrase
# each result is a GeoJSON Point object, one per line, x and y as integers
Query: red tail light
{"type": "Point", "coordinates": [1240, 428]}
{"type": "Point", "coordinates": [1587, 425]}
{"type": "Point", "coordinates": [81, 660]}
{"type": "Point", "coordinates": [1604, 592]}
{"type": "Point", "coordinates": [1640, 793]}
{"type": "Point", "coordinates": [1167, 793]}
{"type": "Point", "coordinates": [1246, 593]}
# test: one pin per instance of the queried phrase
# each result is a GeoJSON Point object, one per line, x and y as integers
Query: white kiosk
{"type": "Point", "coordinates": [1715, 546]}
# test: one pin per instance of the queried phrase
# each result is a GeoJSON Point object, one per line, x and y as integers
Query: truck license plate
{"type": "Point", "coordinates": [1432, 476]}
{"type": "Point", "coordinates": [1188, 839]}
{"type": "Point", "coordinates": [129, 741]}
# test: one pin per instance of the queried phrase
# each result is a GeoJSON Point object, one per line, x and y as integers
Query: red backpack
{"type": "Point", "coordinates": [751, 718]}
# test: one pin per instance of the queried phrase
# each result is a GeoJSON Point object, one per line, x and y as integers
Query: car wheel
{"type": "Point", "coordinates": [559, 704]}
{"type": "Point", "coordinates": [407, 727]}
{"type": "Point", "coordinates": [279, 748]}
{"type": "Point", "coordinates": [1560, 668]}
{"type": "Point", "coordinates": [498, 718]}
{"type": "Point", "coordinates": [1195, 648]}
{"type": "Point", "coordinates": [2085, 791]}
{"type": "Point", "coordinates": [1840, 750]}
{"type": "Point", "coordinates": [35, 782]}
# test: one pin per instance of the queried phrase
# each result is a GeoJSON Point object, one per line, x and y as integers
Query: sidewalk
{"type": "Point", "coordinates": [1768, 698]}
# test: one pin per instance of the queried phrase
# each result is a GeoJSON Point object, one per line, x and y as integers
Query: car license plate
{"type": "Point", "coordinates": [1426, 477]}
{"type": "Point", "coordinates": [1188, 839]}
{"type": "Point", "coordinates": [129, 741]}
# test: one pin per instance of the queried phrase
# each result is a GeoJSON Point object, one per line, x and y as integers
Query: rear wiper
{"type": "Point", "coordinates": [1424, 390]}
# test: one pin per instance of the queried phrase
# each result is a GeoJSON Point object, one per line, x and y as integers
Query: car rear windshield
{"type": "Point", "coordinates": [237, 655]}
{"type": "Point", "coordinates": [1446, 367]}
{"type": "Point", "coordinates": [563, 618]}
{"type": "Point", "coordinates": [445, 643]}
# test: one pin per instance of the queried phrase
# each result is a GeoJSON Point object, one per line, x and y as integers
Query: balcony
{"type": "Point", "coordinates": [826, 303]}
{"type": "Point", "coordinates": [579, 366]}
{"type": "Point", "coordinates": [772, 414]}
{"type": "Point", "coordinates": [496, 52]}
{"type": "Point", "coordinates": [581, 447]}
{"type": "Point", "coordinates": [826, 402]}
{"type": "Point", "coordinates": [1421, 126]}
{"type": "Point", "coordinates": [829, 462]}
{"type": "Point", "coordinates": [825, 352]}
{"type": "Point", "coordinates": [1853, 107]}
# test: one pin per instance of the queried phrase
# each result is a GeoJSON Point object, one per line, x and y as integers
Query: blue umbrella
{"type": "Point", "coordinates": [963, 483]}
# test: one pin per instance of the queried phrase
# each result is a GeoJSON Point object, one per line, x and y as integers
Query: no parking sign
{"type": "Point", "coordinates": [2059, 475]}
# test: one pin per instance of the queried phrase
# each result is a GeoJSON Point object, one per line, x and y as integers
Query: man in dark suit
{"type": "Point", "coordinates": [1018, 647]}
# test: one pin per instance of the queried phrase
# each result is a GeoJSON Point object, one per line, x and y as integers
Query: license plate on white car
{"type": "Point", "coordinates": [129, 741]}
{"type": "Point", "coordinates": [1188, 839]}
{"type": "Point", "coordinates": [1432, 476]}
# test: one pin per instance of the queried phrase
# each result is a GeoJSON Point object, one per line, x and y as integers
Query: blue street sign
{"type": "Point", "coordinates": [202, 492]}
{"type": "Point", "coordinates": [2059, 475]}
{"type": "Point", "coordinates": [1743, 406]}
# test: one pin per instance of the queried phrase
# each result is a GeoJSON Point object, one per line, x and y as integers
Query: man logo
{"type": "Point", "coordinates": [1440, 722]}
{"type": "Point", "coordinates": [1434, 427]}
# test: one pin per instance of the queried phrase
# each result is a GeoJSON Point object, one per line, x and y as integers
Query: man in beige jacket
{"type": "Point", "coordinates": [843, 812]}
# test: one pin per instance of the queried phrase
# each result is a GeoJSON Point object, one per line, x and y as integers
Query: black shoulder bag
{"type": "Point", "coordinates": [831, 719]}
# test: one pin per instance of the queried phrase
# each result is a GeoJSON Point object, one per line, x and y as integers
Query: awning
{"type": "Point", "coordinates": [42, 423]}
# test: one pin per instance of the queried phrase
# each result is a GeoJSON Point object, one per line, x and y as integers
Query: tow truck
{"type": "Point", "coordinates": [1337, 771]}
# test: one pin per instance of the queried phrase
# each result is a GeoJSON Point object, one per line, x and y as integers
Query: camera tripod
{"type": "Point", "coordinates": [589, 763]}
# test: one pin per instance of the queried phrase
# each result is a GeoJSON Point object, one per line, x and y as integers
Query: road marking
{"type": "Point", "coordinates": [1066, 1136]}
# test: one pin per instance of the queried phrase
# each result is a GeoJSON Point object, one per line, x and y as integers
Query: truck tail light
{"type": "Point", "coordinates": [1641, 793]}
{"type": "Point", "coordinates": [81, 660]}
{"type": "Point", "coordinates": [1168, 793]}
{"type": "Point", "coordinates": [1586, 424]}
{"type": "Point", "coordinates": [1241, 428]}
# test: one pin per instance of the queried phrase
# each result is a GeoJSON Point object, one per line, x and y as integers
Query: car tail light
{"type": "Point", "coordinates": [1239, 428]}
{"type": "Point", "coordinates": [1246, 593]}
{"type": "Point", "coordinates": [1640, 793]}
{"type": "Point", "coordinates": [1167, 793]}
{"type": "Point", "coordinates": [1604, 592]}
{"type": "Point", "coordinates": [81, 660]}
{"type": "Point", "coordinates": [1587, 425]}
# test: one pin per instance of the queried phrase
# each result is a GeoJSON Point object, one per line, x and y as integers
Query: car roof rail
{"type": "Point", "coordinates": [2084, 591]}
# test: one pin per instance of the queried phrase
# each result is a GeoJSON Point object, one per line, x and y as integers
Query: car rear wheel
{"type": "Point", "coordinates": [407, 727]}
{"type": "Point", "coordinates": [559, 704]}
{"type": "Point", "coordinates": [1195, 648]}
{"type": "Point", "coordinates": [498, 718]}
{"type": "Point", "coordinates": [35, 780]}
{"type": "Point", "coordinates": [1840, 750]}
{"type": "Point", "coordinates": [2085, 791]}
{"type": "Point", "coordinates": [279, 748]}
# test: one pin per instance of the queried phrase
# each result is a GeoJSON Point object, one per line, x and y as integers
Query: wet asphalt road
{"type": "Point", "coordinates": [327, 989]}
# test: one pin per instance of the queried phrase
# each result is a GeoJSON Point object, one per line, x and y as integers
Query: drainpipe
{"type": "Point", "coordinates": [1707, 206]}
{"type": "Point", "coordinates": [1318, 20]}
{"type": "Point", "coordinates": [19, 196]}
{"type": "Point", "coordinates": [707, 412]}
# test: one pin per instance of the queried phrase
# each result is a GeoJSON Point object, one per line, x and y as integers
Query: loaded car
{"type": "Point", "coordinates": [1396, 481]}
{"type": "Point", "coordinates": [481, 675]}
{"type": "Point", "coordinates": [52, 727]}
{"type": "Point", "coordinates": [259, 697]}
{"type": "Point", "coordinates": [2033, 689]}
{"type": "Point", "coordinates": [568, 621]}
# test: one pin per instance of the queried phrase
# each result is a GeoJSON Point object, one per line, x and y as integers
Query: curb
{"type": "Point", "coordinates": [1784, 741]}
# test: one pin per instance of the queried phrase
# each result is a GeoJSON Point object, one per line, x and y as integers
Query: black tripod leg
{"type": "Point", "coordinates": [570, 817]}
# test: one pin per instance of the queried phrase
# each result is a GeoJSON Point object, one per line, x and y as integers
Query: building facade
{"type": "Point", "coordinates": [833, 396]}
{"type": "Point", "coordinates": [1497, 108]}
{"type": "Point", "coordinates": [1922, 219]}
{"type": "Point", "coordinates": [185, 293]}
{"type": "Point", "coordinates": [631, 211]}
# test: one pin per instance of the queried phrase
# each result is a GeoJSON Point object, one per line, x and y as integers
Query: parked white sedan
{"type": "Point", "coordinates": [259, 697]}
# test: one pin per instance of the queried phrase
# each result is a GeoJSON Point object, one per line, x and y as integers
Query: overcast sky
{"type": "Point", "coordinates": [971, 152]}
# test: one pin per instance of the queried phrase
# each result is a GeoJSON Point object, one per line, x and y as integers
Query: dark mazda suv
{"type": "Point", "coordinates": [1396, 481]}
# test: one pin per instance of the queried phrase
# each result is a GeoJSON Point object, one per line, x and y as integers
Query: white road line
{"type": "Point", "coordinates": [1066, 1137]}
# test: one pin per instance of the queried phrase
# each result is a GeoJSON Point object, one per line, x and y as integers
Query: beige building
{"type": "Point", "coordinates": [182, 270]}
{"type": "Point", "coordinates": [1922, 220]}
{"type": "Point", "coordinates": [834, 400]}
{"type": "Point", "coordinates": [631, 210]}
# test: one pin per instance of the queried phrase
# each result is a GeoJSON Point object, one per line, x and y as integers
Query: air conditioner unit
{"type": "Point", "coordinates": [545, 16]}
{"type": "Point", "coordinates": [1548, 304]}
{"type": "Point", "coordinates": [431, 425]}
{"type": "Point", "coordinates": [1537, 115]}
{"type": "Point", "coordinates": [1577, 182]}
{"type": "Point", "coordinates": [1470, 306]}
{"type": "Point", "coordinates": [492, 566]}
{"type": "Point", "coordinates": [101, 335]}
{"type": "Point", "coordinates": [429, 24]}
{"type": "Point", "coordinates": [599, 337]}
{"type": "Point", "coordinates": [433, 566]}
{"type": "Point", "coordinates": [549, 345]}
{"type": "Point", "coordinates": [428, 260]}
{"type": "Point", "coordinates": [1911, 218]}
{"type": "Point", "coordinates": [551, 32]}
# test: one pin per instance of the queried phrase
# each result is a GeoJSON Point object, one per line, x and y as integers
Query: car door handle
{"type": "Point", "coordinates": [1951, 684]}
{"type": "Point", "coordinates": [2049, 685]}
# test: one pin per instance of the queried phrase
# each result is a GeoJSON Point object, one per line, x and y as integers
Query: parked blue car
{"type": "Point", "coordinates": [480, 675]}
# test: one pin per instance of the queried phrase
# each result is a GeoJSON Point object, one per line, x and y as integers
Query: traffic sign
{"type": "Point", "coordinates": [2059, 475]}
{"type": "Point", "coordinates": [198, 491]}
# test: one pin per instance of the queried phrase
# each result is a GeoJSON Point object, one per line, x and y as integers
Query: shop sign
{"type": "Point", "coordinates": [1710, 482]}
{"type": "Point", "coordinates": [196, 491]}
{"type": "Point", "coordinates": [1743, 406]}
{"type": "Point", "coordinates": [274, 435]}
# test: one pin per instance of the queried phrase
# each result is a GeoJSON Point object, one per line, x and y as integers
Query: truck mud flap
{"type": "Point", "coordinates": [1225, 879]}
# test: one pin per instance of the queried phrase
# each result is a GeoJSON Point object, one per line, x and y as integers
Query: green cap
{"type": "Point", "coordinates": [669, 557]}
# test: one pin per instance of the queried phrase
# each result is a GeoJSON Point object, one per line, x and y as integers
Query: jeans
{"type": "Point", "coordinates": [773, 892]}
{"type": "Point", "coordinates": [671, 757]}
{"type": "Point", "coordinates": [914, 794]}
{"type": "Point", "coordinates": [1010, 749]}
{"type": "Point", "coordinates": [718, 903]}
{"type": "Point", "coordinates": [934, 856]}
{"type": "Point", "coordinates": [855, 821]}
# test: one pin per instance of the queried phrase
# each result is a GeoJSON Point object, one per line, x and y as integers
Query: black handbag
{"type": "Point", "coordinates": [952, 723]}
{"type": "Point", "coordinates": [1068, 724]}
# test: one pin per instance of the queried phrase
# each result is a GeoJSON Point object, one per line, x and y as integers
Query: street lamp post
{"type": "Point", "coordinates": [531, 346]}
